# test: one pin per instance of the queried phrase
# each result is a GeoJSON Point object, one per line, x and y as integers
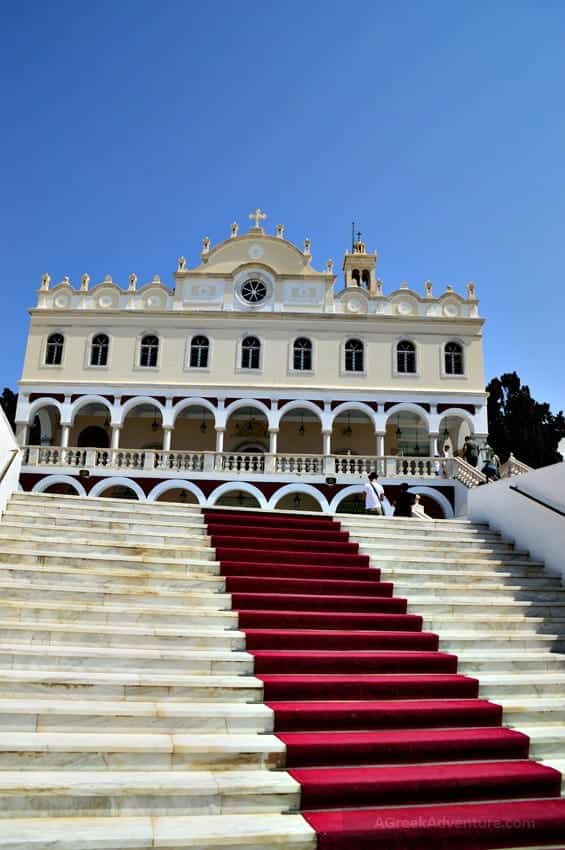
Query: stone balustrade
{"type": "Point", "coordinates": [232, 464]}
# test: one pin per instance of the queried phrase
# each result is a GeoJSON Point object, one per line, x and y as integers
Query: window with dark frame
{"type": "Point", "coordinates": [250, 353]}
{"type": "Point", "coordinates": [453, 358]}
{"type": "Point", "coordinates": [302, 355]}
{"type": "Point", "coordinates": [54, 351]}
{"type": "Point", "coordinates": [149, 350]}
{"type": "Point", "coordinates": [354, 355]}
{"type": "Point", "coordinates": [199, 350]}
{"type": "Point", "coordinates": [99, 350]}
{"type": "Point", "coordinates": [406, 357]}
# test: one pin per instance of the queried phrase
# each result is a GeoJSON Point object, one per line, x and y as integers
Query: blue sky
{"type": "Point", "coordinates": [131, 129]}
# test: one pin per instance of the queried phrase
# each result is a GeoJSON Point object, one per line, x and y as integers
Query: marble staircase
{"type": "Point", "coordinates": [492, 605]}
{"type": "Point", "coordinates": [129, 713]}
{"type": "Point", "coordinates": [128, 705]}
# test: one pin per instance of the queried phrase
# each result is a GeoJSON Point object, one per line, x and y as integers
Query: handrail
{"type": "Point", "coordinates": [7, 465]}
{"type": "Point", "coordinates": [538, 501]}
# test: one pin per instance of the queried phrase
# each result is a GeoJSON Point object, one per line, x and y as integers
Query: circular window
{"type": "Point", "coordinates": [253, 291]}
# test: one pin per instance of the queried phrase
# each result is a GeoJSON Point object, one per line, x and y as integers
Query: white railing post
{"type": "Point", "coordinates": [149, 460]}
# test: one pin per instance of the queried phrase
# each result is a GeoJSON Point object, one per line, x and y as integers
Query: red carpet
{"type": "Point", "coordinates": [392, 748]}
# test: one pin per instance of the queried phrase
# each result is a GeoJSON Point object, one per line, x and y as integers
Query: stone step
{"type": "Point", "coordinates": [148, 564]}
{"type": "Point", "coordinates": [90, 612]}
{"type": "Point", "coordinates": [92, 793]}
{"type": "Point", "coordinates": [458, 642]}
{"type": "Point", "coordinates": [27, 515]}
{"type": "Point", "coordinates": [69, 503]}
{"type": "Point", "coordinates": [115, 592]}
{"type": "Point", "coordinates": [480, 624]}
{"type": "Point", "coordinates": [480, 548]}
{"type": "Point", "coordinates": [393, 533]}
{"type": "Point", "coordinates": [431, 608]}
{"type": "Point", "coordinates": [452, 526]}
{"type": "Point", "coordinates": [51, 632]}
{"type": "Point", "coordinates": [500, 592]}
{"type": "Point", "coordinates": [83, 546]}
{"type": "Point", "coordinates": [106, 752]}
{"type": "Point", "coordinates": [534, 711]}
{"type": "Point", "coordinates": [198, 832]}
{"type": "Point", "coordinates": [525, 576]}
{"type": "Point", "coordinates": [502, 687]}
{"type": "Point", "coordinates": [410, 560]}
{"type": "Point", "coordinates": [39, 656]}
{"type": "Point", "coordinates": [125, 685]}
{"type": "Point", "coordinates": [101, 536]}
{"type": "Point", "coordinates": [475, 661]}
{"type": "Point", "coordinates": [130, 717]}
{"type": "Point", "coordinates": [546, 741]}
{"type": "Point", "coordinates": [100, 576]}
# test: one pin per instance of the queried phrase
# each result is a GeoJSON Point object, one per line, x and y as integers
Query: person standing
{"type": "Point", "coordinates": [491, 466]}
{"type": "Point", "coordinates": [374, 495]}
{"type": "Point", "coordinates": [404, 502]}
{"type": "Point", "coordinates": [471, 451]}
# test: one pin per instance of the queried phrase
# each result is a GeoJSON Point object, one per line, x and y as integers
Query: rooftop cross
{"type": "Point", "coordinates": [259, 216]}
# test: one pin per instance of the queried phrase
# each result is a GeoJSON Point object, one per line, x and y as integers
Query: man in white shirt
{"type": "Point", "coordinates": [374, 495]}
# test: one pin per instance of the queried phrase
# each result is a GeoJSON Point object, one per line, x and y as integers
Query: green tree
{"type": "Point", "coordinates": [520, 424]}
{"type": "Point", "coordinates": [9, 400]}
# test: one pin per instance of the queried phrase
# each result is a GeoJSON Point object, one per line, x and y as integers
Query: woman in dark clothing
{"type": "Point", "coordinates": [404, 502]}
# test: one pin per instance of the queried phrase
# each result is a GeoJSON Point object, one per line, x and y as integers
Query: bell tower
{"type": "Point", "coordinates": [359, 267]}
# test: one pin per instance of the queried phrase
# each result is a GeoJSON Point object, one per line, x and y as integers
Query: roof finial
{"type": "Point", "coordinates": [258, 216]}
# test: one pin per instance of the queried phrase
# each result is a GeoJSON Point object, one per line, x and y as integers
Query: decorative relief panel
{"type": "Point", "coordinates": [107, 298]}
{"type": "Point", "coordinates": [405, 307]}
{"type": "Point", "coordinates": [62, 300]}
{"type": "Point", "coordinates": [450, 309]}
{"type": "Point", "coordinates": [208, 292]}
{"type": "Point", "coordinates": [300, 293]}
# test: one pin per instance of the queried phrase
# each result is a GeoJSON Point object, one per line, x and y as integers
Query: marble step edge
{"type": "Point", "coordinates": [107, 537]}
{"type": "Point", "coordinates": [88, 607]}
{"type": "Point", "coordinates": [197, 783]}
{"type": "Point", "coordinates": [401, 559]}
{"type": "Point", "coordinates": [125, 678]}
{"type": "Point", "coordinates": [114, 588]}
{"type": "Point", "coordinates": [151, 566]}
{"type": "Point", "coordinates": [110, 573]}
{"type": "Point", "coordinates": [118, 629]}
{"type": "Point", "coordinates": [213, 832]}
{"type": "Point", "coordinates": [5, 540]}
{"type": "Point", "coordinates": [148, 708]}
{"type": "Point", "coordinates": [94, 503]}
{"type": "Point", "coordinates": [455, 590]}
{"type": "Point", "coordinates": [113, 652]}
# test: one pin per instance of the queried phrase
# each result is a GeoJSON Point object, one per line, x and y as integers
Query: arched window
{"type": "Point", "coordinates": [149, 350]}
{"type": "Point", "coordinates": [302, 354]}
{"type": "Point", "coordinates": [366, 278]}
{"type": "Point", "coordinates": [406, 357]}
{"type": "Point", "coordinates": [99, 350]}
{"type": "Point", "coordinates": [354, 355]}
{"type": "Point", "coordinates": [199, 349]}
{"type": "Point", "coordinates": [355, 276]}
{"type": "Point", "coordinates": [453, 358]}
{"type": "Point", "coordinates": [54, 352]}
{"type": "Point", "coordinates": [250, 353]}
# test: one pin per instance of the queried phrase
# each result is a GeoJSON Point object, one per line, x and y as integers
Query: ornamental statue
{"type": "Point", "coordinates": [84, 281]}
{"type": "Point", "coordinates": [132, 282]}
{"type": "Point", "coordinates": [181, 264]}
{"type": "Point", "coordinates": [45, 281]}
{"type": "Point", "coordinates": [234, 230]}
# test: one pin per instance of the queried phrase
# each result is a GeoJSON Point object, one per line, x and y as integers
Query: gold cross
{"type": "Point", "coordinates": [259, 216]}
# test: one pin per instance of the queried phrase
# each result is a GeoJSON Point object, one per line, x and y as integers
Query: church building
{"type": "Point", "coordinates": [253, 378]}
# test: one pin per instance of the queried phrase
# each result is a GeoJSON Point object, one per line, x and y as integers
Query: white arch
{"type": "Point", "coordinates": [246, 402]}
{"type": "Point", "coordinates": [88, 399]}
{"type": "Point", "coordinates": [409, 407]}
{"type": "Point", "coordinates": [438, 497]}
{"type": "Point", "coordinates": [354, 405]}
{"type": "Point", "coordinates": [296, 405]}
{"type": "Point", "coordinates": [457, 411]}
{"type": "Point", "coordinates": [299, 488]}
{"type": "Point", "coordinates": [45, 483]}
{"type": "Point", "coordinates": [136, 402]}
{"type": "Point", "coordinates": [192, 402]}
{"type": "Point", "coordinates": [173, 484]}
{"type": "Point", "coordinates": [103, 485]}
{"type": "Point", "coordinates": [350, 491]}
{"type": "Point", "coordinates": [236, 486]}
{"type": "Point", "coordinates": [40, 403]}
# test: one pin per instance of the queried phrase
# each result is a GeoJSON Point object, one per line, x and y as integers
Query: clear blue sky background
{"type": "Point", "coordinates": [131, 129]}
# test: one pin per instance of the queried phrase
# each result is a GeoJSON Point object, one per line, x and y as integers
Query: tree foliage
{"type": "Point", "coordinates": [519, 424]}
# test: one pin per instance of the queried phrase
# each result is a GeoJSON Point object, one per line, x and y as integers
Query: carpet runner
{"type": "Point", "coordinates": [391, 746]}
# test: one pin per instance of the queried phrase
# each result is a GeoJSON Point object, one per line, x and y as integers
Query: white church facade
{"type": "Point", "coordinates": [254, 379]}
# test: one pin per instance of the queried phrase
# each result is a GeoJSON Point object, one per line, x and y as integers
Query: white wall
{"type": "Point", "coordinates": [8, 446]}
{"type": "Point", "coordinates": [531, 526]}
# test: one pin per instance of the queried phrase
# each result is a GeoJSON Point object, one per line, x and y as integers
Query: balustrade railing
{"type": "Point", "coordinates": [237, 463]}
